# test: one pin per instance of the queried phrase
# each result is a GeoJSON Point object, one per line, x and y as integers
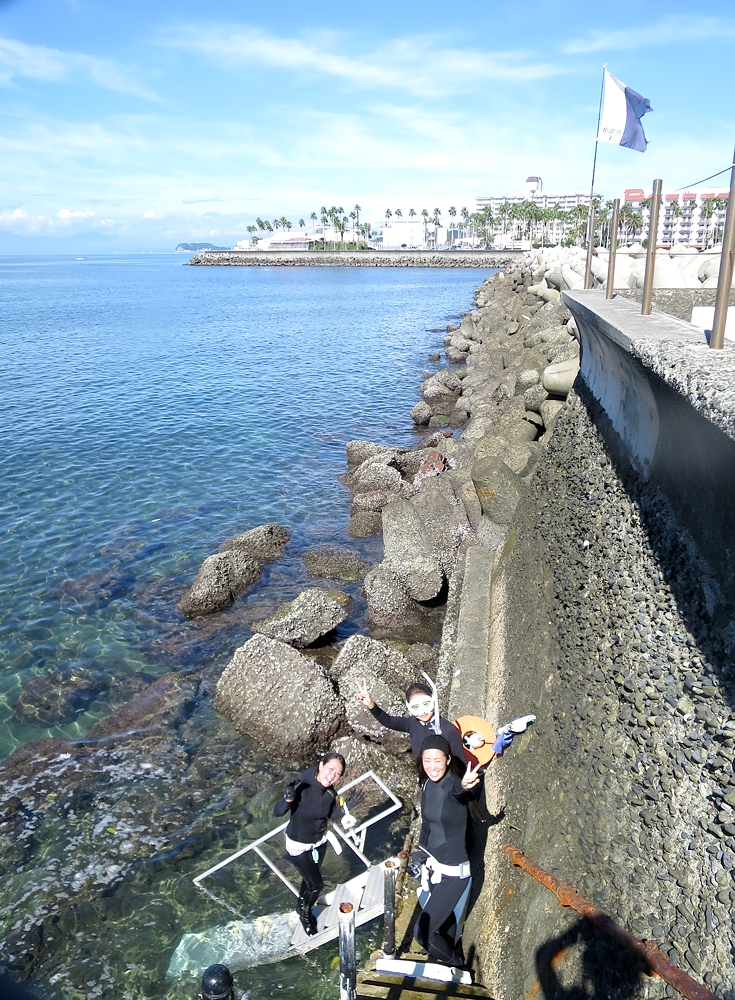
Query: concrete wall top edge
{"type": "Point", "coordinates": [669, 347]}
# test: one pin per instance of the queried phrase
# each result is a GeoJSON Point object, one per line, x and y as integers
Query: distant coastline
{"type": "Point", "coordinates": [357, 258]}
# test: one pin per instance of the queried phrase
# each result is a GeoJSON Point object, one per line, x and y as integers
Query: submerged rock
{"type": "Point", "coordinates": [336, 564]}
{"type": "Point", "coordinates": [237, 944]}
{"type": "Point", "coordinates": [264, 543]}
{"type": "Point", "coordinates": [302, 621]}
{"type": "Point", "coordinates": [365, 524]}
{"type": "Point", "coordinates": [221, 578]}
{"type": "Point", "coordinates": [59, 697]}
{"type": "Point", "coordinates": [279, 697]}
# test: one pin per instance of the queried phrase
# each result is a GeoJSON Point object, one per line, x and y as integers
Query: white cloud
{"type": "Point", "coordinates": [673, 30]}
{"type": "Point", "coordinates": [149, 215]}
{"type": "Point", "coordinates": [417, 64]}
{"type": "Point", "coordinates": [65, 215]}
{"type": "Point", "coordinates": [37, 62]}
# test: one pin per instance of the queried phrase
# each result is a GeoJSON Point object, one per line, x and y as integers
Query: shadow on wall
{"type": "Point", "coordinates": [602, 970]}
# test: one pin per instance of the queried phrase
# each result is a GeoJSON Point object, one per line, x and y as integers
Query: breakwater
{"type": "Point", "coordinates": [357, 258]}
{"type": "Point", "coordinates": [612, 620]}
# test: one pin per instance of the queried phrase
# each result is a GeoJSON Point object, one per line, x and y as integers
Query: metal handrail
{"type": "Point", "coordinates": [349, 837]}
{"type": "Point", "coordinates": [653, 961]}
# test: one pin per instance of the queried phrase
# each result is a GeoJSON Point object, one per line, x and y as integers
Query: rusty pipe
{"type": "Point", "coordinates": [652, 961]}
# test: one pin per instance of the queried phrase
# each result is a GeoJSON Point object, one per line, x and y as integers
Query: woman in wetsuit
{"type": "Point", "coordinates": [312, 801]}
{"type": "Point", "coordinates": [417, 723]}
{"type": "Point", "coordinates": [445, 799]}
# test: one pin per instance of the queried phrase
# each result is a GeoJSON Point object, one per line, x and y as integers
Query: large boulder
{"type": "Point", "coordinates": [441, 387]}
{"type": "Point", "coordinates": [386, 673]}
{"type": "Point", "coordinates": [358, 451]}
{"type": "Point", "coordinates": [279, 697]}
{"type": "Point", "coordinates": [398, 771]}
{"type": "Point", "coordinates": [264, 543]}
{"type": "Point", "coordinates": [388, 601]}
{"type": "Point", "coordinates": [304, 620]}
{"type": "Point", "coordinates": [333, 563]}
{"type": "Point", "coordinates": [409, 552]}
{"type": "Point", "coordinates": [498, 488]}
{"type": "Point", "coordinates": [444, 519]}
{"type": "Point", "coordinates": [221, 578]}
{"type": "Point", "coordinates": [376, 473]}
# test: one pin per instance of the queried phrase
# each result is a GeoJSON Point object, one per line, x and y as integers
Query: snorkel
{"type": "Point", "coordinates": [434, 722]}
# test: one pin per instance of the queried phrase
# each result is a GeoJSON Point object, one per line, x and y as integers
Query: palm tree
{"type": "Point", "coordinates": [388, 213]}
{"type": "Point", "coordinates": [302, 224]}
{"type": "Point", "coordinates": [357, 209]}
{"type": "Point", "coordinates": [313, 218]}
{"type": "Point", "coordinates": [425, 217]}
{"type": "Point", "coordinates": [287, 224]}
{"type": "Point", "coordinates": [325, 218]}
{"type": "Point", "coordinates": [353, 216]}
{"type": "Point", "coordinates": [398, 213]}
{"type": "Point", "coordinates": [411, 212]}
{"type": "Point", "coordinates": [260, 224]}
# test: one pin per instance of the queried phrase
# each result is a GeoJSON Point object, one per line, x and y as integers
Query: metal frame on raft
{"type": "Point", "coordinates": [355, 838]}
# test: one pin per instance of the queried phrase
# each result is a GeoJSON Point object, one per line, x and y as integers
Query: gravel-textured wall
{"type": "Point", "coordinates": [603, 627]}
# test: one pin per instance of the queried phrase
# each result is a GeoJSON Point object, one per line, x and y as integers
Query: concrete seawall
{"type": "Point", "coordinates": [358, 258]}
{"type": "Point", "coordinates": [612, 619]}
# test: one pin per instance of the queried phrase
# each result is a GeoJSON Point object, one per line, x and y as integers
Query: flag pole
{"type": "Point", "coordinates": [591, 215]}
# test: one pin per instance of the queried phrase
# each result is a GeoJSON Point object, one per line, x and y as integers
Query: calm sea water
{"type": "Point", "coordinates": [150, 410]}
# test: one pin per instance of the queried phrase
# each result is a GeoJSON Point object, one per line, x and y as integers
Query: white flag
{"type": "Point", "coordinates": [622, 110]}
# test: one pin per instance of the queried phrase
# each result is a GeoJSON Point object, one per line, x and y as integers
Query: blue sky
{"type": "Point", "coordinates": [138, 125]}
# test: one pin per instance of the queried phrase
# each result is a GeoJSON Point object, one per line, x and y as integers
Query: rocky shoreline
{"type": "Point", "coordinates": [356, 258]}
{"type": "Point", "coordinates": [599, 625]}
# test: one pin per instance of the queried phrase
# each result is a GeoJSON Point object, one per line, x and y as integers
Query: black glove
{"type": "Point", "coordinates": [290, 792]}
{"type": "Point", "coordinates": [353, 797]}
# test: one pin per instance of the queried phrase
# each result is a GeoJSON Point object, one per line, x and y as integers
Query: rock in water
{"type": "Point", "coordinates": [364, 524]}
{"type": "Point", "coordinates": [336, 564]}
{"type": "Point", "coordinates": [389, 605]}
{"type": "Point", "coordinates": [264, 543]}
{"type": "Point", "coordinates": [304, 620]}
{"type": "Point", "coordinates": [277, 696]}
{"type": "Point", "coordinates": [408, 551]}
{"type": "Point", "coordinates": [221, 578]}
{"type": "Point", "coordinates": [237, 945]}
{"type": "Point", "coordinates": [58, 698]}
{"type": "Point", "coordinates": [422, 413]}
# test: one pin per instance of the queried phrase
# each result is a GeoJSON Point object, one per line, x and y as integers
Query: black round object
{"type": "Point", "coordinates": [217, 983]}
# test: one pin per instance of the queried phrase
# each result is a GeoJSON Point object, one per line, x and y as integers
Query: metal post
{"type": "Point", "coordinates": [724, 279]}
{"type": "Point", "coordinates": [347, 961]}
{"type": "Point", "coordinates": [651, 252]}
{"type": "Point", "coordinates": [389, 910]}
{"type": "Point", "coordinates": [590, 245]}
{"type": "Point", "coordinates": [613, 249]}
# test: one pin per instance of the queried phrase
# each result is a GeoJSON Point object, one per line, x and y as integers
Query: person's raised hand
{"type": "Point", "coordinates": [471, 778]}
{"type": "Point", "coordinates": [363, 695]}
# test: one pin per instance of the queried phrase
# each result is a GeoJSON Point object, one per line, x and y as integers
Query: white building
{"type": "Point", "coordinates": [278, 242]}
{"type": "Point", "coordinates": [683, 217]}
{"type": "Point", "coordinates": [412, 234]}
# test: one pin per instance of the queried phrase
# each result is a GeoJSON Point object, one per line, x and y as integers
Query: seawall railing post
{"type": "Point", "coordinates": [613, 249]}
{"type": "Point", "coordinates": [590, 246]}
{"type": "Point", "coordinates": [651, 251]}
{"type": "Point", "coordinates": [724, 278]}
{"type": "Point", "coordinates": [347, 959]}
{"type": "Point", "coordinates": [389, 910]}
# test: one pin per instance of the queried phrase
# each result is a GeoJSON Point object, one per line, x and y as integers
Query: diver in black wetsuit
{"type": "Point", "coordinates": [418, 723]}
{"type": "Point", "coordinates": [445, 799]}
{"type": "Point", "coordinates": [312, 801]}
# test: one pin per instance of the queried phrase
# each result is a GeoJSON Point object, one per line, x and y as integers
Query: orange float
{"type": "Point", "coordinates": [478, 737]}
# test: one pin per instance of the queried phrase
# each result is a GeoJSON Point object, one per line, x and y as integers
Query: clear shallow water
{"type": "Point", "coordinates": [150, 410]}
